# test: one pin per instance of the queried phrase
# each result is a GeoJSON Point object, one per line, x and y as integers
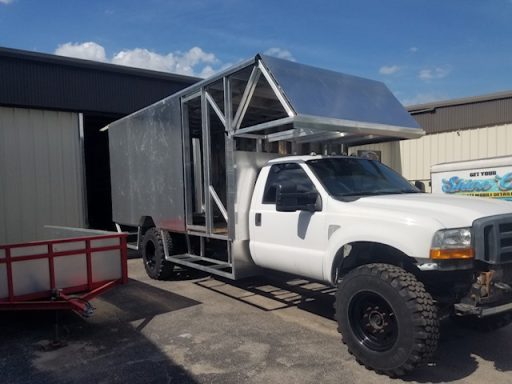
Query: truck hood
{"type": "Point", "coordinates": [449, 211]}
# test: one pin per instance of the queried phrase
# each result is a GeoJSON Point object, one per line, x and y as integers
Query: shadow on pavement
{"type": "Point", "coordinates": [106, 348]}
{"type": "Point", "coordinates": [455, 358]}
{"type": "Point", "coordinates": [277, 291]}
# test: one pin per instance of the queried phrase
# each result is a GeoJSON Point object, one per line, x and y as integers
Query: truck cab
{"type": "Point", "coordinates": [305, 209]}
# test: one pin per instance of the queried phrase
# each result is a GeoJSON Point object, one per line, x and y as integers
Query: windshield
{"type": "Point", "coordinates": [345, 176]}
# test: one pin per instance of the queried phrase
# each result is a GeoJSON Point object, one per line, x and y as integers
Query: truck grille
{"type": "Point", "coordinates": [493, 239]}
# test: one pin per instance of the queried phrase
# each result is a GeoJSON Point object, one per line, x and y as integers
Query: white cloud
{"type": "Point", "coordinates": [185, 63]}
{"type": "Point", "coordinates": [389, 69]}
{"type": "Point", "coordinates": [428, 74]}
{"type": "Point", "coordinates": [413, 49]}
{"type": "Point", "coordinates": [280, 53]}
{"type": "Point", "coordinates": [88, 51]}
{"type": "Point", "coordinates": [6, 1]}
{"type": "Point", "coordinates": [422, 98]}
{"type": "Point", "coordinates": [194, 62]}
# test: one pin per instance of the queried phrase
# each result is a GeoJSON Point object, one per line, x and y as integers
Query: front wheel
{"type": "Point", "coordinates": [387, 319]}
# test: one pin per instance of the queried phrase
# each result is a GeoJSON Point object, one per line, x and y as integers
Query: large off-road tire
{"type": "Point", "coordinates": [485, 324]}
{"type": "Point", "coordinates": [387, 319]}
{"type": "Point", "coordinates": [153, 255]}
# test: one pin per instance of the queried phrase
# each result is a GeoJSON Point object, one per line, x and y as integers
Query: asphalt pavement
{"type": "Point", "coordinates": [202, 329]}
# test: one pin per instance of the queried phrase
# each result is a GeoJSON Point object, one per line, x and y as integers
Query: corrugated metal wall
{"type": "Point", "coordinates": [35, 80]}
{"type": "Point", "coordinates": [413, 158]}
{"type": "Point", "coordinates": [472, 112]}
{"type": "Point", "coordinates": [40, 172]}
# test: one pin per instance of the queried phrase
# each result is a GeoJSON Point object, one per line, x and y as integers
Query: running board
{"type": "Point", "coordinates": [215, 267]}
{"type": "Point", "coordinates": [133, 246]}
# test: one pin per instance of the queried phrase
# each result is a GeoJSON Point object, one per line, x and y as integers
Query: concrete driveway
{"type": "Point", "coordinates": [200, 329]}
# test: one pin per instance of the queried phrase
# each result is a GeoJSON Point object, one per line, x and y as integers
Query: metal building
{"type": "Point", "coordinates": [459, 129]}
{"type": "Point", "coordinates": [54, 161]}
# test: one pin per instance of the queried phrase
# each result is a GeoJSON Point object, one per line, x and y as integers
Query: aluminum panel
{"type": "Point", "coordinates": [320, 92]}
{"type": "Point", "coordinates": [29, 250]}
{"type": "Point", "coordinates": [62, 247]}
{"type": "Point", "coordinates": [106, 265]}
{"type": "Point", "coordinates": [4, 291]}
{"type": "Point", "coordinates": [146, 166]}
{"type": "Point", "coordinates": [30, 276]}
{"type": "Point", "coordinates": [112, 242]}
{"type": "Point", "coordinates": [70, 271]}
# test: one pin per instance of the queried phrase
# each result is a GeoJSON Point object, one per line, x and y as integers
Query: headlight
{"type": "Point", "coordinates": [452, 244]}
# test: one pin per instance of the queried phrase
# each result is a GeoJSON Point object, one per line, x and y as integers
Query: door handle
{"type": "Point", "coordinates": [257, 219]}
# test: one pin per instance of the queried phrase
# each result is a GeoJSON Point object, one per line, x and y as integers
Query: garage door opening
{"type": "Point", "coordinates": [97, 171]}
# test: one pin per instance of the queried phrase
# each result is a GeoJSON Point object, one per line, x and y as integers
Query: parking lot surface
{"type": "Point", "coordinates": [202, 329]}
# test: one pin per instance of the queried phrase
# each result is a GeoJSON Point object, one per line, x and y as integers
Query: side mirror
{"type": "Point", "coordinates": [288, 199]}
{"type": "Point", "coordinates": [420, 185]}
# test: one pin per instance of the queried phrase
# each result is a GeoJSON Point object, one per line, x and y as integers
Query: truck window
{"type": "Point", "coordinates": [290, 173]}
{"type": "Point", "coordinates": [358, 177]}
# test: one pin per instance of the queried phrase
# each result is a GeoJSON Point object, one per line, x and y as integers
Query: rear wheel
{"type": "Point", "coordinates": [386, 318]}
{"type": "Point", "coordinates": [153, 254]}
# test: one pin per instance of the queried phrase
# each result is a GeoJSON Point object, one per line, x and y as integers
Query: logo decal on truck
{"type": "Point", "coordinates": [495, 187]}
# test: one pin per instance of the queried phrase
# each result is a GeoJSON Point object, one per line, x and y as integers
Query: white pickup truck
{"type": "Point", "coordinates": [206, 180]}
{"type": "Point", "coordinates": [400, 258]}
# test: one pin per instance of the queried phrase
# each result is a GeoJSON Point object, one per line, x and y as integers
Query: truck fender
{"type": "Point", "coordinates": [340, 239]}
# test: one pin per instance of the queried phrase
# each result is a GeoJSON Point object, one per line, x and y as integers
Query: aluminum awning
{"type": "Point", "coordinates": [309, 104]}
{"type": "Point", "coordinates": [271, 99]}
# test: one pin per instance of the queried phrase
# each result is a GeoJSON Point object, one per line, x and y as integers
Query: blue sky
{"type": "Point", "coordinates": [424, 50]}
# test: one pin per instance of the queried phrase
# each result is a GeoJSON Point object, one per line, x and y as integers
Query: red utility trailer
{"type": "Point", "coordinates": [62, 274]}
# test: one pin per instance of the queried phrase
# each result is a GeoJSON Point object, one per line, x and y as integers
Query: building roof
{"type": "Point", "coordinates": [464, 113]}
{"type": "Point", "coordinates": [39, 80]}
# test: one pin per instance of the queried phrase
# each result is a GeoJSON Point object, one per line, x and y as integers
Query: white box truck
{"type": "Point", "coordinates": [220, 177]}
{"type": "Point", "coordinates": [491, 178]}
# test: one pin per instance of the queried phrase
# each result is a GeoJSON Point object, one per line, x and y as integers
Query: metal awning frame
{"type": "Point", "coordinates": [303, 128]}
{"type": "Point", "coordinates": [295, 127]}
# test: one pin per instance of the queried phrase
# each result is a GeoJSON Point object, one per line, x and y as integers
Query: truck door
{"type": "Point", "coordinates": [292, 242]}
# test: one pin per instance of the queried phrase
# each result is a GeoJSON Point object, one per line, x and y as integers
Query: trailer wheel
{"type": "Point", "coordinates": [153, 255]}
{"type": "Point", "coordinates": [387, 319]}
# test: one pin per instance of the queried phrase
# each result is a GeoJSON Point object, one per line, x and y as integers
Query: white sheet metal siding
{"type": "Point", "coordinates": [40, 172]}
{"type": "Point", "coordinates": [413, 158]}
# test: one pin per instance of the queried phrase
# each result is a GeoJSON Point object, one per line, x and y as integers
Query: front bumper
{"type": "Point", "coordinates": [462, 309]}
{"type": "Point", "coordinates": [490, 294]}
{"type": "Point", "coordinates": [491, 291]}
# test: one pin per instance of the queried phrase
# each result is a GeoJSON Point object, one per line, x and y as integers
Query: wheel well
{"type": "Point", "coordinates": [355, 254]}
{"type": "Point", "coordinates": [145, 223]}
{"type": "Point", "coordinates": [179, 239]}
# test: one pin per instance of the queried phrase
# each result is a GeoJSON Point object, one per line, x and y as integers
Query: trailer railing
{"type": "Point", "coordinates": [61, 274]}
